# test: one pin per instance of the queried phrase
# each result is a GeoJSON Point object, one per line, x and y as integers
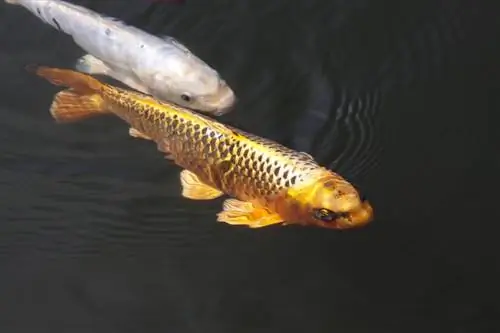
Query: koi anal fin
{"type": "Point", "coordinates": [69, 106]}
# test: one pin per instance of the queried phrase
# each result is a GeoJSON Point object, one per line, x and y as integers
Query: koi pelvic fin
{"type": "Point", "coordinates": [193, 188]}
{"type": "Point", "coordinates": [236, 212]}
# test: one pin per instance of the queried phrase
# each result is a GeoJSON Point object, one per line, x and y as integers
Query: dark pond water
{"type": "Point", "coordinates": [399, 97]}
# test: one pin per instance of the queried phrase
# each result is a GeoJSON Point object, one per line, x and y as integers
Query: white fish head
{"type": "Point", "coordinates": [193, 84]}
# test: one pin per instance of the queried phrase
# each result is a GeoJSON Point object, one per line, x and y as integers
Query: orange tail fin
{"type": "Point", "coordinates": [83, 99]}
{"type": "Point", "coordinates": [79, 82]}
{"type": "Point", "coordinates": [69, 106]}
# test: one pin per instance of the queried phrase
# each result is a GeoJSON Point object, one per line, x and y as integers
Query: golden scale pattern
{"type": "Point", "coordinates": [233, 166]}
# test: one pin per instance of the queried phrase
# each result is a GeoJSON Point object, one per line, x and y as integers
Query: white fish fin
{"type": "Point", "coordinates": [129, 79]}
{"type": "Point", "coordinates": [113, 19]}
{"type": "Point", "coordinates": [115, 22]}
{"type": "Point", "coordinates": [176, 43]}
{"type": "Point", "coordinates": [12, 2]}
{"type": "Point", "coordinates": [92, 65]}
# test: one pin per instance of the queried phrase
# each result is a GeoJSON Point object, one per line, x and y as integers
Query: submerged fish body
{"type": "Point", "coordinates": [162, 67]}
{"type": "Point", "coordinates": [269, 183]}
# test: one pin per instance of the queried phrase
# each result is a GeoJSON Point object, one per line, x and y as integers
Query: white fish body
{"type": "Point", "coordinates": [158, 66]}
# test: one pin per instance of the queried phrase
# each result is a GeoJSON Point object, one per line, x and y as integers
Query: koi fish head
{"type": "Point", "coordinates": [188, 81]}
{"type": "Point", "coordinates": [220, 101]}
{"type": "Point", "coordinates": [329, 201]}
{"type": "Point", "coordinates": [208, 95]}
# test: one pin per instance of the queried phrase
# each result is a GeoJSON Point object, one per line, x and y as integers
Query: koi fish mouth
{"type": "Point", "coordinates": [222, 102]}
{"type": "Point", "coordinates": [356, 218]}
{"type": "Point", "coordinates": [222, 111]}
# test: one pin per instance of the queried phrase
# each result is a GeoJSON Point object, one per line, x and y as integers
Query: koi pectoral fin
{"type": "Point", "coordinates": [164, 147]}
{"type": "Point", "coordinates": [193, 188]}
{"type": "Point", "coordinates": [236, 212]}
{"type": "Point", "coordinates": [136, 134]}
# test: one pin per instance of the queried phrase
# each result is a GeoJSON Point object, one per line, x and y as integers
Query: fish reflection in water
{"type": "Point", "coordinates": [341, 124]}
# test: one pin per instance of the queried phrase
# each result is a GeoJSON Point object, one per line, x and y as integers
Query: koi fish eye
{"type": "Point", "coordinates": [325, 215]}
{"type": "Point", "coordinates": [186, 98]}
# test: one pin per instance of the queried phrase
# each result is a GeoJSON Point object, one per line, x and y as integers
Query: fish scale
{"type": "Point", "coordinates": [249, 173]}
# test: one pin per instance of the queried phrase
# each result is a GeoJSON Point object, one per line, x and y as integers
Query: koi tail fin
{"type": "Point", "coordinates": [83, 100]}
{"type": "Point", "coordinates": [78, 82]}
{"type": "Point", "coordinates": [69, 106]}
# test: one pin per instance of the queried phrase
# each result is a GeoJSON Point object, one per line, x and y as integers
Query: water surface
{"type": "Point", "coordinates": [95, 237]}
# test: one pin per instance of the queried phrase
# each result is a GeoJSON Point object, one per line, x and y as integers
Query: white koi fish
{"type": "Point", "coordinates": [161, 67]}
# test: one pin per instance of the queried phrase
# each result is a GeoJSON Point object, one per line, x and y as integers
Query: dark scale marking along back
{"type": "Point", "coordinates": [263, 173]}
